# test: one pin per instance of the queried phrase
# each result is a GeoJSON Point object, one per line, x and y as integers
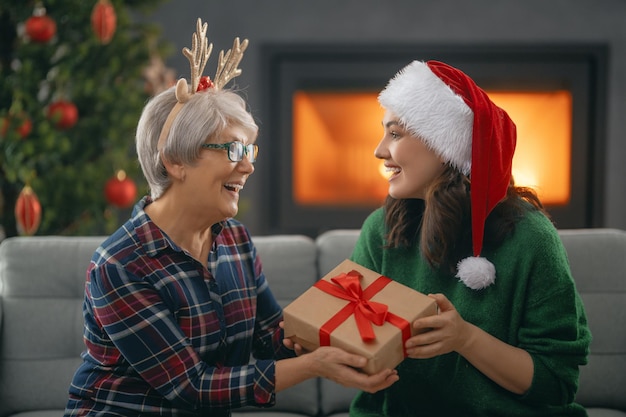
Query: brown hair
{"type": "Point", "coordinates": [441, 223]}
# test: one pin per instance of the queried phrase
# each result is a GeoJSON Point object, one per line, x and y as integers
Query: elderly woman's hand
{"type": "Point", "coordinates": [343, 368]}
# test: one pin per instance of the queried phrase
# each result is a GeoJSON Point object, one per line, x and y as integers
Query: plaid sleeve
{"type": "Point", "coordinates": [264, 386]}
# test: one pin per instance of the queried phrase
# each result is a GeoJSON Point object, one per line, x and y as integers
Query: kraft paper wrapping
{"type": "Point", "coordinates": [304, 317]}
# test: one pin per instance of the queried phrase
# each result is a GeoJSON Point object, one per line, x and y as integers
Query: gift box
{"type": "Point", "coordinates": [360, 311]}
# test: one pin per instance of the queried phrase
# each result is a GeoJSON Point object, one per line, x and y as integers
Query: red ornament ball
{"type": "Point", "coordinates": [120, 191]}
{"type": "Point", "coordinates": [103, 21]}
{"type": "Point", "coordinates": [23, 129]}
{"type": "Point", "coordinates": [40, 28]}
{"type": "Point", "coordinates": [27, 212]}
{"type": "Point", "coordinates": [63, 114]}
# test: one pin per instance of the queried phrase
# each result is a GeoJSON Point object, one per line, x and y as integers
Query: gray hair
{"type": "Point", "coordinates": [203, 117]}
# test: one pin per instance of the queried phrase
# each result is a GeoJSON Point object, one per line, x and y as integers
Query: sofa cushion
{"type": "Point", "coordinates": [289, 264]}
{"type": "Point", "coordinates": [604, 412]}
{"type": "Point", "coordinates": [41, 283]}
{"type": "Point", "coordinates": [41, 413]}
{"type": "Point", "coordinates": [333, 247]}
{"type": "Point", "coordinates": [598, 262]}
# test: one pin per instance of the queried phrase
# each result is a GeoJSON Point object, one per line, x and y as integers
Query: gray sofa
{"type": "Point", "coordinates": [41, 290]}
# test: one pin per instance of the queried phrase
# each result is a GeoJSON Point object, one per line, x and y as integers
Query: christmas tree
{"type": "Point", "coordinates": [74, 76]}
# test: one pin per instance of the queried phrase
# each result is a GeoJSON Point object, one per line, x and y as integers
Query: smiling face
{"type": "Point", "coordinates": [213, 183]}
{"type": "Point", "coordinates": [412, 165]}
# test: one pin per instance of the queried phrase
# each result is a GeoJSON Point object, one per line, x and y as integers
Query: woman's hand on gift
{"type": "Point", "coordinates": [343, 368]}
{"type": "Point", "coordinates": [439, 334]}
{"type": "Point", "coordinates": [335, 364]}
{"type": "Point", "coordinates": [509, 366]}
{"type": "Point", "coordinates": [290, 344]}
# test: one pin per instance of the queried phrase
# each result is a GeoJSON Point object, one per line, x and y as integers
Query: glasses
{"type": "Point", "coordinates": [236, 150]}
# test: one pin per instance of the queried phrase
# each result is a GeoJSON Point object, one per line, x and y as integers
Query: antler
{"type": "Point", "coordinates": [227, 64]}
{"type": "Point", "coordinates": [198, 56]}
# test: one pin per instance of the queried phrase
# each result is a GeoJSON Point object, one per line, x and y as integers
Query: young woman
{"type": "Point", "coordinates": [511, 331]}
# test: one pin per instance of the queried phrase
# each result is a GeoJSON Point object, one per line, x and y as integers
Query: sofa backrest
{"type": "Point", "coordinates": [42, 282]}
{"type": "Point", "coordinates": [290, 267]}
{"type": "Point", "coordinates": [598, 263]}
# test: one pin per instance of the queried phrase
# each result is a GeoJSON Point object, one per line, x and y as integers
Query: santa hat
{"type": "Point", "coordinates": [457, 120]}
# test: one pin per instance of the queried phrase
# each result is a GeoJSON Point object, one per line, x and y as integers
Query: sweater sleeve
{"type": "Point", "coordinates": [555, 330]}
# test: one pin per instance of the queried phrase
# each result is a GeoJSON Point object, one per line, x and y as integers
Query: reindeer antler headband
{"type": "Point", "coordinates": [198, 56]}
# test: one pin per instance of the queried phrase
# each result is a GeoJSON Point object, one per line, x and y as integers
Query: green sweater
{"type": "Point", "coordinates": [533, 304]}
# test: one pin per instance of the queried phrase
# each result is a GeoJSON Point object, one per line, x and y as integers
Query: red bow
{"type": "Point", "coordinates": [348, 287]}
{"type": "Point", "coordinates": [204, 83]}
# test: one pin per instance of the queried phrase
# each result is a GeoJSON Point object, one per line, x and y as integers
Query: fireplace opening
{"type": "Point", "coordinates": [323, 122]}
{"type": "Point", "coordinates": [335, 134]}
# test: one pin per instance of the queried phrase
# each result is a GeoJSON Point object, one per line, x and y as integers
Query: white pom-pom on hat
{"type": "Point", "coordinates": [447, 110]}
{"type": "Point", "coordinates": [476, 273]}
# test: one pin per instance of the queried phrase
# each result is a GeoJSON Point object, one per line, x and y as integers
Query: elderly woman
{"type": "Point", "coordinates": [176, 302]}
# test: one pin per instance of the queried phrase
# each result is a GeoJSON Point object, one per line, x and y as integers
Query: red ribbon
{"type": "Point", "coordinates": [347, 286]}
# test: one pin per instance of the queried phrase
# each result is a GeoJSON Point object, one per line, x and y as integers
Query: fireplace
{"type": "Point", "coordinates": [321, 123]}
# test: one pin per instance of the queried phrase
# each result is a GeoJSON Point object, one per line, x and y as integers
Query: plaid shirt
{"type": "Point", "coordinates": [168, 336]}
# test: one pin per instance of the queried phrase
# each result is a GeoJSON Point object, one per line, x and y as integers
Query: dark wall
{"type": "Point", "coordinates": [409, 22]}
